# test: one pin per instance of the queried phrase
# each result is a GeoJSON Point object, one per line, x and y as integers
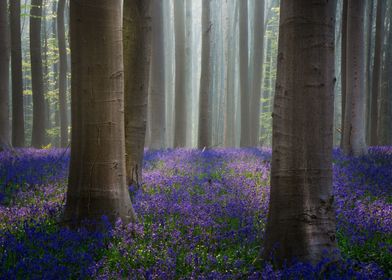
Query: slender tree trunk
{"type": "Point", "coordinates": [257, 65]}
{"type": "Point", "coordinates": [205, 116]}
{"type": "Point", "coordinates": [376, 72]}
{"type": "Point", "coordinates": [230, 93]}
{"type": "Point", "coordinates": [354, 118]}
{"type": "Point", "coordinates": [344, 67]}
{"type": "Point", "coordinates": [180, 93]}
{"type": "Point", "coordinates": [301, 219]}
{"type": "Point", "coordinates": [157, 83]}
{"type": "Point", "coordinates": [137, 53]}
{"type": "Point", "coordinates": [4, 76]}
{"type": "Point", "coordinates": [244, 77]}
{"type": "Point", "coordinates": [62, 73]}
{"type": "Point", "coordinates": [18, 136]}
{"type": "Point", "coordinates": [37, 81]}
{"type": "Point", "coordinates": [97, 183]}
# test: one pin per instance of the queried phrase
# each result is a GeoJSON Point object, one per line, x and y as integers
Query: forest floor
{"type": "Point", "coordinates": [202, 216]}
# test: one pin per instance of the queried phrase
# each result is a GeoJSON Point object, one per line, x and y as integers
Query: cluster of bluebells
{"type": "Point", "coordinates": [202, 215]}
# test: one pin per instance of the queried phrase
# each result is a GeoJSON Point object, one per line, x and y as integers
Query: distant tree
{"type": "Point", "coordinates": [157, 100]}
{"type": "Point", "coordinates": [18, 125]}
{"type": "Point", "coordinates": [244, 75]}
{"type": "Point", "coordinates": [354, 117]}
{"type": "Point", "coordinates": [180, 86]}
{"type": "Point", "coordinates": [301, 219]}
{"type": "Point", "coordinates": [62, 73]}
{"type": "Point", "coordinates": [377, 72]}
{"type": "Point", "coordinates": [204, 130]}
{"type": "Point", "coordinates": [137, 54]}
{"type": "Point", "coordinates": [97, 181]}
{"type": "Point", "coordinates": [37, 82]}
{"type": "Point", "coordinates": [4, 75]}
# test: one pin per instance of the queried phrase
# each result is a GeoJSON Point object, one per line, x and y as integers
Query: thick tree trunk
{"type": "Point", "coordinates": [37, 81]}
{"type": "Point", "coordinates": [180, 93]}
{"type": "Point", "coordinates": [376, 72]}
{"type": "Point", "coordinates": [157, 83]}
{"type": "Point", "coordinates": [257, 65]}
{"type": "Point", "coordinates": [244, 77]}
{"type": "Point", "coordinates": [4, 76]}
{"type": "Point", "coordinates": [18, 136]}
{"type": "Point", "coordinates": [354, 117]}
{"type": "Point", "coordinates": [62, 73]}
{"type": "Point", "coordinates": [137, 53]}
{"type": "Point", "coordinates": [205, 115]}
{"type": "Point", "coordinates": [301, 219]}
{"type": "Point", "coordinates": [97, 183]}
{"type": "Point", "coordinates": [343, 68]}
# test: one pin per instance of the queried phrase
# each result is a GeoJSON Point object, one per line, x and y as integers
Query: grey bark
{"type": "Point", "coordinates": [97, 181]}
{"type": "Point", "coordinates": [354, 117]}
{"type": "Point", "coordinates": [205, 115]}
{"type": "Point", "coordinates": [4, 76]}
{"type": "Point", "coordinates": [343, 68]}
{"type": "Point", "coordinates": [37, 81]}
{"type": "Point", "coordinates": [63, 66]}
{"type": "Point", "coordinates": [137, 54]}
{"type": "Point", "coordinates": [301, 219]}
{"type": "Point", "coordinates": [18, 125]}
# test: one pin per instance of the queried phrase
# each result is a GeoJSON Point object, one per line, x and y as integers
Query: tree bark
{"type": "Point", "coordinates": [344, 67]}
{"type": "Point", "coordinates": [4, 76]}
{"type": "Point", "coordinates": [244, 77]}
{"type": "Point", "coordinates": [180, 93]}
{"type": "Point", "coordinates": [18, 136]}
{"type": "Point", "coordinates": [97, 181]}
{"type": "Point", "coordinates": [354, 118]}
{"type": "Point", "coordinates": [205, 115]}
{"type": "Point", "coordinates": [137, 53]}
{"type": "Point", "coordinates": [63, 63]}
{"type": "Point", "coordinates": [301, 219]}
{"type": "Point", "coordinates": [376, 72]}
{"type": "Point", "coordinates": [37, 81]}
{"type": "Point", "coordinates": [257, 65]}
{"type": "Point", "coordinates": [157, 84]}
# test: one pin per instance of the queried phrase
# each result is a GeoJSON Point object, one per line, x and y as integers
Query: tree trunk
{"type": "Point", "coordinates": [157, 83]}
{"type": "Point", "coordinates": [4, 76]}
{"type": "Point", "coordinates": [257, 65]}
{"type": "Point", "coordinates": [62, 73]}
{"type": "Point", "coordinates": [37, 81]}
{"type": "Point", "coordinates": [18, 136]}
{"type": "Point", "coordinates": [205, 115]}
{"type": "Point", "coordinates": [376, 72]}
{"type": "Point", "coordinates": [137, 53]}
{"type": "Point", "coordinates": [354, 117]}
{"type": "Point", "coordinates": [343, 68]}
{"type": "Point", "coordinates": [244, 77]}
{"type": "Point", "coordinates": [180, 94]}
{"type": "Point", "coordinates": [97, 184]}
{"type": "Point", "coordinates": [301, 219]}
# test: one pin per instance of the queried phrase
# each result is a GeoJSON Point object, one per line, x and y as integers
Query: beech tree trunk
{"type": "Point", "coordinates": [343, 67]}
{"type": "Point", "coordinates": [37, 81]}
{"type": "Point", "coordinates": [97, 181]}
{"type": "Point", "coordinates": [354, 118]}
{"type": "Point", "coordinates": [180, 93]}
{"type": "Point", "coordinates": [301, 219]}
{"type": "Point", "coordinates": [62, 73]}
{"type": "Point", "coordinates": [137, 53]}
{"type": "Point", "coordinates": [376, 72]}
{"type": "Point", "coordinates": [257, 65]}
{"type": "Point", "coordinates": [205, 115]}
{"type": "Point", "coordinates": [18, 136]}
{"type": "Point", "coordinates": [157, 84]}
{"type": "Point", "coordinates": [4, 76]}
{"type": "Point", "coordinates": [244, 76]}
